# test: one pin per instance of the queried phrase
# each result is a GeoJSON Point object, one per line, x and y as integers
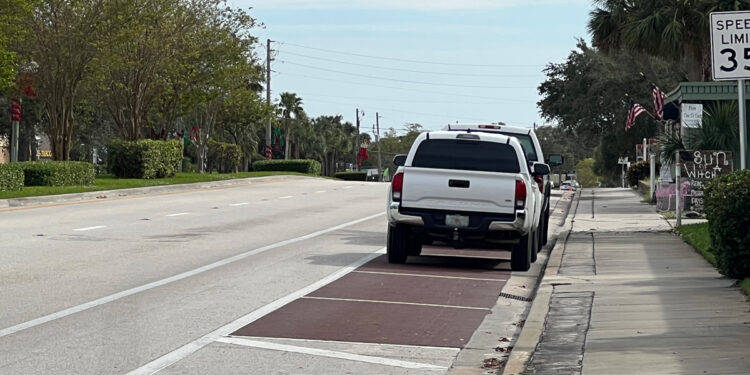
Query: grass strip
{"type": "Point", "coordinates": [109, 182]}
{"type": "Point", "coordinates": [698, 237]}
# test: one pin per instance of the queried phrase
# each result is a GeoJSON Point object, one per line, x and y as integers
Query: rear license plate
{"type": "Point", "coordinates": [458, 221]}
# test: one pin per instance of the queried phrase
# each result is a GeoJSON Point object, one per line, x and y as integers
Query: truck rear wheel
{"type": "Point", "coordinates": [520, 257]}
{"type": "Point", "coordinates": [397, 242]}
{"type": "Point", "coordinates": [545, 234]}
{"type": "Point", "coordinates": [536, 245]}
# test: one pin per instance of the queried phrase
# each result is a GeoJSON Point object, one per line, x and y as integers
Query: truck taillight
{"type": "Point", "coordinates": [397, 186]}
{"type": "Point", "coordinates": [520, 194]}
{"type": "Point", "coordinates": [540, 181]}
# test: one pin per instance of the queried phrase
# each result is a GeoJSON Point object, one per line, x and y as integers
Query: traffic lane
{"type": "Point", "coordinates": [35, 220]}
{"type": "Point", "coordinates": [125, 334]}
{"type": "Point", "coordinates": [60, 271]}
{"type": "Point", "coordinates": [430, 301]}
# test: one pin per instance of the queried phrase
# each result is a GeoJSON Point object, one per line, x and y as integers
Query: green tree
{"type": "Point", "coordinates": [289, 105]}
{"type": "Point", "coordinates": [676, 30]}
{"type": "Point", "coordinates": [585, 173]}
{"type": "Point", "coordinates": [12, 30]}
{"type": "Point", "coordinates": [64, 36]}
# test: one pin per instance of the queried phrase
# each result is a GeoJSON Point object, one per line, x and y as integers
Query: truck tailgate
{"type": "Point", "coordinates": [459, 190]}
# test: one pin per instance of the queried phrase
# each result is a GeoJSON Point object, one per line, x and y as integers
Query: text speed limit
{"type": "Point", "coordinates": [730, 45]}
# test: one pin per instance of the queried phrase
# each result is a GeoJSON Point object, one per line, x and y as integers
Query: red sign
{"type": "Point", "coordinates": [269, 153]}
{"type": "Point", "coordinates": [15, 110]}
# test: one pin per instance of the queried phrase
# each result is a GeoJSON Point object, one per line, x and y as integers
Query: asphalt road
{"type": "Point", "coordinates": [162, 283]}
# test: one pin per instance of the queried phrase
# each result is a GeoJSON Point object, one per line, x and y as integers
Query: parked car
{"type": "Point", "coordinates": [534, 154]}
{"type": "Point", "coordinates": [569, 185]}
{"type": "Point", "coordinates": [465, 188]}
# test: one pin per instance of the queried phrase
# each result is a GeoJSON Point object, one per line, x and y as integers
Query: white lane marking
{"type": "Point", "coordinates": [89, 228]}
{"type": "Point", "coordinates": [287, 197]}
{"type": "Point", "coordinates": [192, 347]}
{"type": "Point", "coordinates": [308, 341]}
{"type": "Point", "coordinates": [180, 276]}
{"type": "Point", "coordinates": [239, 204]}
{"type": "Point", "coordinates": [329, 353]}
{"type": "Point", "coordinates": [395, 303]}
{"type": "Point", "coordinates": [433, 276]}
{"type": "Point", "coordinates": [320, 192]}
{"type": "Point", "coordinates": [347, 187]}
{"type": "Point", "coordinates": [178, 214]}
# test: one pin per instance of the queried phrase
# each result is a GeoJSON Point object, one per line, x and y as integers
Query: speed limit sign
{"type": "Point", "coordinates": [730, 45]}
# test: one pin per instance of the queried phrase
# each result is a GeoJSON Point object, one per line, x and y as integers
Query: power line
{"type": "Point", "coordinates": [385, 86]}
{"type": "Point", "coordinates": [409, 61]}
{"type": "Point", "coordinates": [399, 110]}
{"type": "Point", "coordinates": [403, 80]}
{"type": "Point", "coordinates": [409, 70]}
{"type": "Point", "coordinates": [496, 101]}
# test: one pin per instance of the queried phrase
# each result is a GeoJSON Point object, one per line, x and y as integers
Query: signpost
{"type": "Point", "coordinates": [730, 59]}
{"type": "Point", "coordinates": [623, 161]}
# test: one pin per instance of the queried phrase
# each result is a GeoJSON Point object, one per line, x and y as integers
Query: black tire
{"type": "Point", "coordinates": [414, 246]}
{"type": "Point", "coordinates": [397, 242]}
{"type": "Point", "coordinates": [535, 245]}
{"type": "Point", "coordinates": [545, 233]}
{"type": "Point", "coordinates": [520, 257]}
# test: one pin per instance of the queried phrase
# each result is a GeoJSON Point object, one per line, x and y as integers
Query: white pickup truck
{"type": "Point", "coordinates": [465, 189]}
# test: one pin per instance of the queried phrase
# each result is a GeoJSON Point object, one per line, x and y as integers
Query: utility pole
{"type": "Point", "coordinates": [377, 139]}
{"type": "Point", "coordinates": [355, 166]}
{"type": "Point", "coordinates": [269, 151]}
{"type": "Point", "coordinates": [15, 119]}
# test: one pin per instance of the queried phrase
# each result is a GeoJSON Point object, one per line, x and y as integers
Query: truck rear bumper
{"type": "Point", "coordinates": [480, 222]}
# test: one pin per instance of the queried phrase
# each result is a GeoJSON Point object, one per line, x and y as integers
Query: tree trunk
{"type": "Point", "coordinates": [287, 141]}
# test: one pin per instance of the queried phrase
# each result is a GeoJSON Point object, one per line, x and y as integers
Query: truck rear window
{"type": "Point", "coordinates": [526, 143]}
{"type": "Point", "coordinates": [466, 155]}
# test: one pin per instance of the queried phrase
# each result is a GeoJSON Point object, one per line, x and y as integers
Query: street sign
{"type": "Point", "coordinates": [691, 115]}
{"type": "Point", "coordinates": [730, 45]}
{"type": "Point", "coordinates": [622, 160]}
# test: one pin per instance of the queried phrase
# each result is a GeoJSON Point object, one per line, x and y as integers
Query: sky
{"type": "Point", "coordinates": [431, 62]}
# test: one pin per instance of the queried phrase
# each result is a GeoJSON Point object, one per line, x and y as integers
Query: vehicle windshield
{"type": "Point", "coordinates": [466, 155]}
{"type": "Point", "coordinates": [527, 144]}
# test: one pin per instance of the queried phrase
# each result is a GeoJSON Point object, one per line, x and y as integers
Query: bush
{"type": "Point", "coordinates": [11, 177]}
{"type": "Point", "coordinates": [585, 173]}
{"type": "Point", "coordinates": [351, 176]}
{"type": "Point", "coordinates": [144, 158]}
{"type": "Point", "coordinates": [637, 172]}
{"type": "Point", "coordinates": [224, 157]}
{"type": "Point", "coordinates": [727, 203]}
{"type": "Point", "coordinates": [302, 166]}
{"type": "Point", "coordinates": [58, 173]}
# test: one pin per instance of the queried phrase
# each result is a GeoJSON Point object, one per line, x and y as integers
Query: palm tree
{"type": "Point", "coordinates": [290, 104]}
{"type": "Point", "coordinates": [673, 29]}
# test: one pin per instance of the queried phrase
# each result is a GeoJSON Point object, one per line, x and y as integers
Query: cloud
{"type": "Point", "coordinates": [426, 5]}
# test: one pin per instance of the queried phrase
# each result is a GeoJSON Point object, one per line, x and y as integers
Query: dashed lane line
{"type": "Point", "coordinates": [89, 228]}
{"type": "Point", "coordinates": [287, 197]}
{"type": "Point", "coordinates": [114, 297]}
{"type": "Point", "coordinates": [395, 303]}
{"type": "Point", "coordinates": [192, 347]}
{"type": "Point", "coordinates": [178, 214]}
{"type": "Point", "coordinates": [239, 204]}
{"type": "Point", "coordinates": [320, 192]}
{"type": "Point", "coordinates": [329, 353]}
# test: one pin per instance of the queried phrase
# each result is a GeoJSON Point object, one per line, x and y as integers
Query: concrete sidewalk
{"type": "Point", "coordinates": [626, 296]}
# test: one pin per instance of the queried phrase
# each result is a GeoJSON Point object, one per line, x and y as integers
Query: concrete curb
{"type": "Point", "coordinates": [531, 332]}
{"type": "Point", "coordinates": [102, 195]}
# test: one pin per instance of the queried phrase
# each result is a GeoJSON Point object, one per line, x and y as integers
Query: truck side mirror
{"type": "Point", "coordinates": [399, 160]}
{"type": "Point", "coordinates": [555, 159]}
{"type": "Point", "coordinates": [540, 169]}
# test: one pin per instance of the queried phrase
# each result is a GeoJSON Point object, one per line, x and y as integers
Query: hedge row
{"type": "Point", "coordinates": [302, 166]}
{"type": "Point", "coordinates": [351, 176]}
{"type": "Point", "coordinates": [727, 203]}
{"type": "Point", "coordinates": [637, 172]}
{"type": "Point", "coordinates": [224, 157]}
{"type": "Point", "coordinates": [11, 177]}
{"type": "Point", "coordinates": [58, 173]}
{"type": "Point", "coordinates": [144, 158]}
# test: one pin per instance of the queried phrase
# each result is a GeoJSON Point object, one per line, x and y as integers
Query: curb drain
{"type": "Point", "coordinates": [515, 297]}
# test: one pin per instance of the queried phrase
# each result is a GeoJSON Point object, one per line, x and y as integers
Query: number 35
{"type": "Point", "coordinates": [733, 59]}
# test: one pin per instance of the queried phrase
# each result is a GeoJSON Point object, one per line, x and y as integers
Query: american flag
{"type": "Point", "coordinates": [658, 102]}
{"type": "Point", "coordinates": [635, 111]}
